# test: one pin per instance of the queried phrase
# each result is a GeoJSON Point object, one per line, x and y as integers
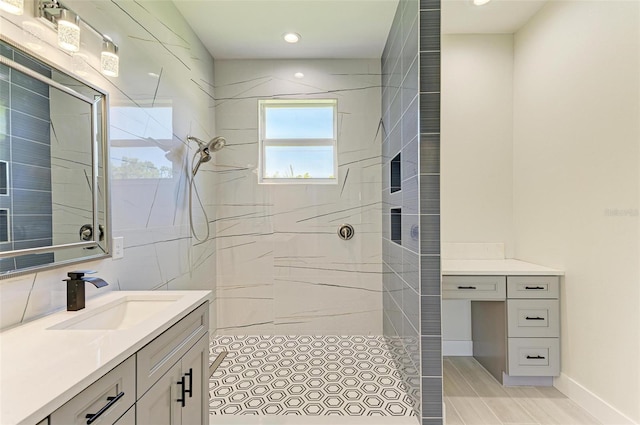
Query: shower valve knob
{"type": "Point", "coordinates": [345, 232]}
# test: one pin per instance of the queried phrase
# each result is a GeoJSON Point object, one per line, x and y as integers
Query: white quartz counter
{"type": "Point", "coordinates": [508, 267]}
{"type": "Point", "coordinates": [41, 368]}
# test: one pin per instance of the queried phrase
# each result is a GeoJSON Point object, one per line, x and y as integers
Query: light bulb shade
{"type": "Point", "coordinates": [15, 7]}
{"type": "Point", "coordinates": [109, 59]}
{"type": "Point", "coordinates": [68, 30]}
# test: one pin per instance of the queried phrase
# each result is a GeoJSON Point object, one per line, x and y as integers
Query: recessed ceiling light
{"type": "Point", "coordinates": [480, 2]}
{"type": "Point", "coordinates": [291, 37]}
{"type": "Point", "coordinates": [298, 75]}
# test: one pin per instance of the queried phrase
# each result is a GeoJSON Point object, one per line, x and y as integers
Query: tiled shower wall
{"type": "Point", "coordinates": [25, 148]}
{"type": "Point", "coordinates": [430, 273]}
{"type": "Point", "coordinates": [282, 269]}
{"type": "Point", "coordinates": [162, 64]}
{"type": "Point", "coordinates": [411, 260]}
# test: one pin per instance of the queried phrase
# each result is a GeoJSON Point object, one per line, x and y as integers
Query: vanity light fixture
{"type": "Point", "coordinates": [480, 2]}
{"type": "Point", "coordinates": [109, 59]}
{"type": "Point", "coordinates": [68, 30]}
{"type": "Point", "coordinates": [67, 23]}
{"type": "Point", "coordinates": [15, 7]}
{"type": "Point", "coordinates": [291, 37]}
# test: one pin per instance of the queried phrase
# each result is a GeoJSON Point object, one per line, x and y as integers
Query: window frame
{"type": "Point", "coordinates": [263, 142]}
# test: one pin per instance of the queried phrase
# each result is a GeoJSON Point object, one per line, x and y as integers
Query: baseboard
{"type": "Point", "coordinates": [457, 348]}
{"type": "Point", "coordinates": [590, 402]}
{"type": "Point", "coordinates": [526, 381]}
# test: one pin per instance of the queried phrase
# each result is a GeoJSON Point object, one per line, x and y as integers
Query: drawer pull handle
{"type": "Point", "coordinates": [466, 287]}
{"type": "Point", "coordinates": [538, 288]}
{"type": "Point", "coordinates": [190, 375]}
{"type": "Point", "coordinates": [183, 390]}
{"type": "Point", "coordinates": [91, 417]}
{"type": "Point", "coordinates": [535, 358]}
{"type": "Point", "coordinates": [534, 318]}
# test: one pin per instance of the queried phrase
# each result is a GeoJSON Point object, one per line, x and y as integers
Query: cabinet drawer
{"type": "Point", "coordinates": [534, 356]}
{"type": "Point", "coordinates": [533, 286]}
{"type": "Point", "coordinates": [474, 287]}
{"type": "Point", "coordinates": [116, 389]}
{"type": "Point", "coordinates": [157, 357]}
{"type": "Point", "coordinates": [533, 318]}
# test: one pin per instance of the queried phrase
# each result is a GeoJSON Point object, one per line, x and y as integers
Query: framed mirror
{"type": "Point", "coordinates": [54, 199]}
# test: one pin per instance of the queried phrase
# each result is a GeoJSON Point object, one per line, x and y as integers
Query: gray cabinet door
{"type": "Point", "coordinates": [128, 418]}
{"type": "Point", "coordinates": [160, 405]}
{"type": "Point", "coordinates": [194, 367]}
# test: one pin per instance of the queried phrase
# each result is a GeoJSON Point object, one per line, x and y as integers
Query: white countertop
{"type": "Point", "coordinates": [508, 267]}
{"type": "Point", "coordinates": [41, 369]}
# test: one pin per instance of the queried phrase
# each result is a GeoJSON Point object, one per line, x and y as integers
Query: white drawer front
{"type": "Point", "coordinates": [474, 287]}
{"type": "Point", "coordinates": [533, 318]}
{"type": "Point", "coordinates": [533, 286]}
{"type": "Point", "coordinates": [116, 389]}
{"type": "Point", "coordinates": [534, 356]}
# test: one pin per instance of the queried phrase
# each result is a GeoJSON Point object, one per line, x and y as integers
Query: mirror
{"type": "Point", "coordinates": [53, 152]}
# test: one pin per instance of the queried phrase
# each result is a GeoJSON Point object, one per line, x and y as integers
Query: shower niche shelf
{"type": "Point", "coordinates": [396, 178]}
{"type": "Point", "coordinates": [396, 225]}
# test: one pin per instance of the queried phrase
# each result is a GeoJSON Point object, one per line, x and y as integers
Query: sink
{"type": "Point", "coordinates": [121, 314]}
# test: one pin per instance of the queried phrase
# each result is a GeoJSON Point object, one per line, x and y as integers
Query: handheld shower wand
{"type": "Point", "coordinates": [205, 149]}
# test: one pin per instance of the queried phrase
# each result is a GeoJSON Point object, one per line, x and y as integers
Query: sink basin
{"type": "Point", "coordinates": [120, 314]}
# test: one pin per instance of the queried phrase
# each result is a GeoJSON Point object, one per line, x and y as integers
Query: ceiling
{"type": "Point", "coordinates": [239, 29]}
{"type": "Point", "coordinates": [253, 29]}
{"type": "Point", "coordinates": [495, 17]}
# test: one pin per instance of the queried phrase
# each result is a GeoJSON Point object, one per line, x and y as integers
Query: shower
{"type": "Point", "coordinates": [204, 150]}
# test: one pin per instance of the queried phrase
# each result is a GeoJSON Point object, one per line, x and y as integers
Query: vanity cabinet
{"type": "Point", "coordinates": [104, 401]}
{"type": "Point", "coordinates": [165, 382]}
{"type": "Point", "coordinates": [180, 395]}
{"type": "Point", "coordinates": [128, 418]}
{"type": "Point", "coordinates": [515, 323]}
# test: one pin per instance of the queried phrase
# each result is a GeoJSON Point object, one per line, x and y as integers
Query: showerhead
{"type": "Point", "coordinates": [205, 149]}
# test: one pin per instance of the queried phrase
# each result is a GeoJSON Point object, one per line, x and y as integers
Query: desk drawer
{"type": "Point", "coordinates": [533, 318]}
{"type": "Point", "coordinates": [534, 356]}
{"type": "Point", "coordinates": [474, 287]}
{"type": "Point", "coordinates": [533, 286]}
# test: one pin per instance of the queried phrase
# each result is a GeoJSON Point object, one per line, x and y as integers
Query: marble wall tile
{"type": "Point", "coordinates": [162, 65]}
{"type": "Point", "coordinates": [286, 235]}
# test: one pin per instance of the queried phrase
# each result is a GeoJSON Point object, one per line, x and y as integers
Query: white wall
{"type": "Point", "coordinates": [281, 267]}
{"type": "Point", "coordinates": [576, 183]}
{"type": "Point", "coordinates": [477, 136]}
{"type": "Point", "coordinates": [150, 214]}
{"type": "Point", "coordinates": [476, 157]}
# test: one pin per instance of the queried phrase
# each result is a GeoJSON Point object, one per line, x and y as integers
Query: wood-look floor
{"type": "Point", "coordinates": [473, 397]}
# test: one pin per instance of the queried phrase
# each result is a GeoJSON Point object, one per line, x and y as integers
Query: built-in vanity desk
{"type": "Point", "coordinates": [128, 358]}
{"type": "Point", "coordinates": [515, 316]}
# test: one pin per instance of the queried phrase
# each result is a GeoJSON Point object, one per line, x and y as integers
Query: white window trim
{"type": "Point", "coordinates": [263, 141]}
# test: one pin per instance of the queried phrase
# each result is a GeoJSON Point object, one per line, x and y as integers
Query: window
{"type": "Point", "coordinates": [298, 141]}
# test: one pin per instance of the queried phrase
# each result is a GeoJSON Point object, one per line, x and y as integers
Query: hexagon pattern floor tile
{"type": "Point", "coordinates": [306, 375]}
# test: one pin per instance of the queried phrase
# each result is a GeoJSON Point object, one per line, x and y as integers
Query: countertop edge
{"type": "Point", "coordinates": [497, 267]}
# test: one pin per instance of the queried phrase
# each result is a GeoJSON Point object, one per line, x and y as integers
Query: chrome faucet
{"type": "Point", "coordinates": [75, 288]}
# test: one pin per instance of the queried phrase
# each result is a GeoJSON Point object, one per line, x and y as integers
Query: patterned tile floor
{"type": "Point", "coordinates": [307, 375]}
